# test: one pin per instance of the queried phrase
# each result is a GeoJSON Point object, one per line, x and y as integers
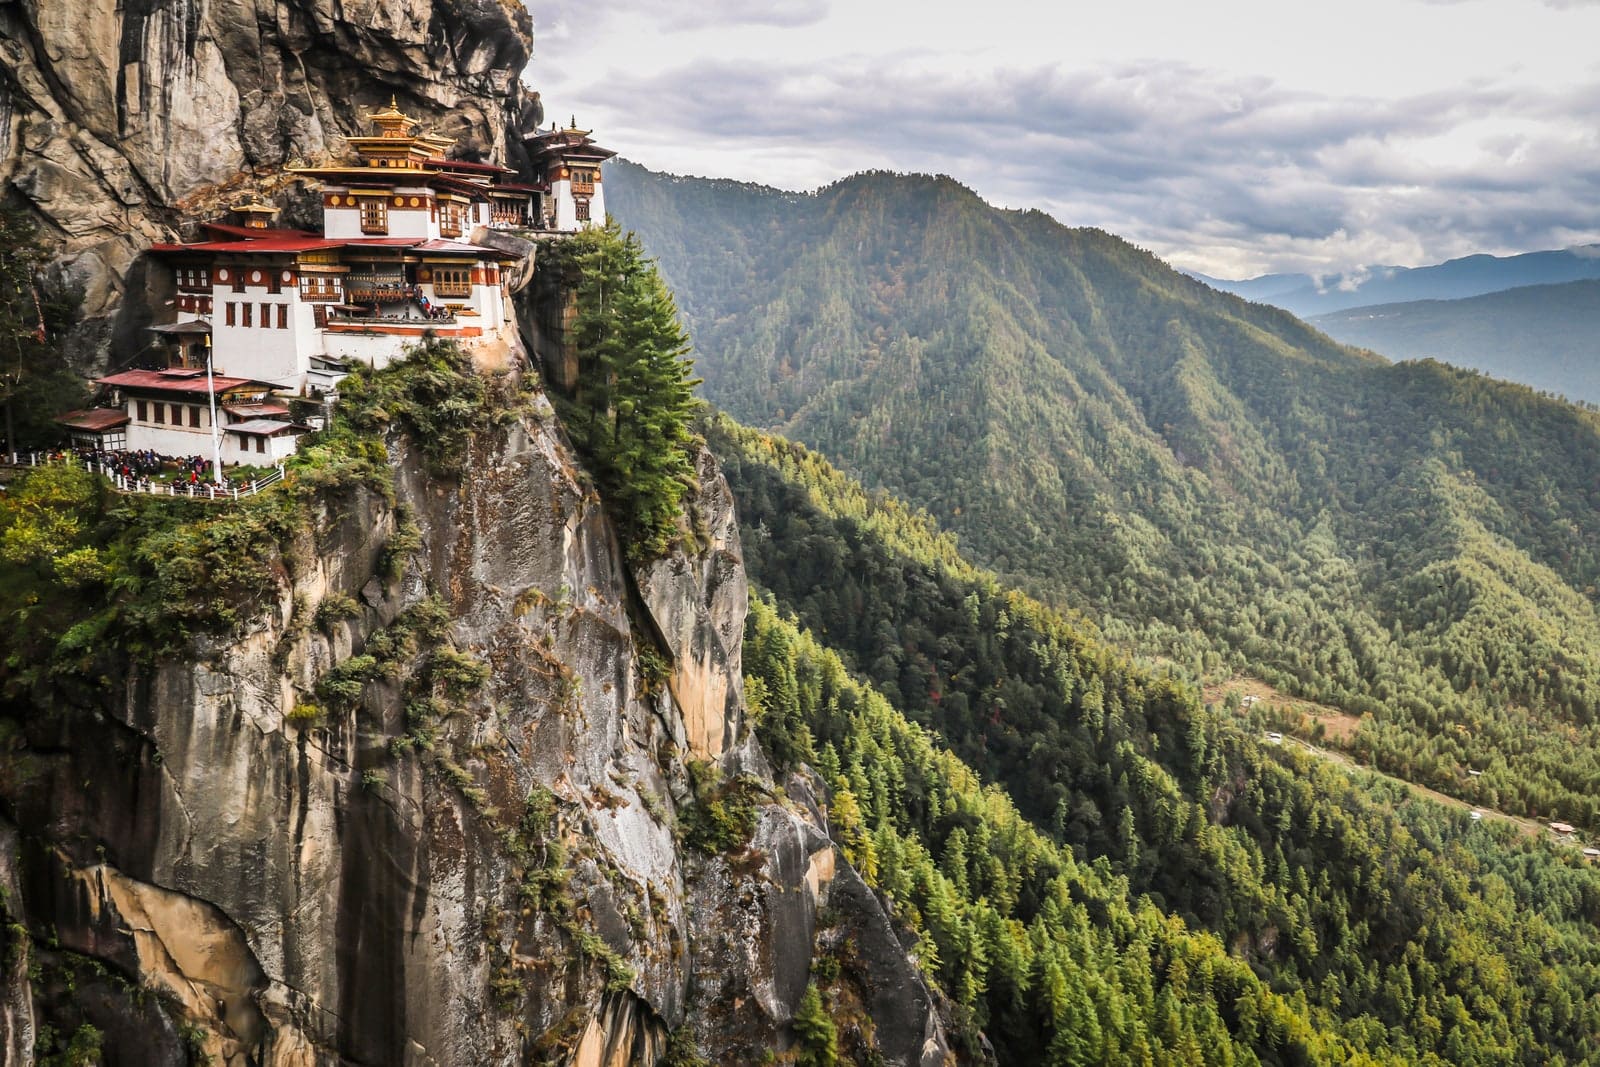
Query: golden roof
{"type": "Point", "coordinates": [391, 120]}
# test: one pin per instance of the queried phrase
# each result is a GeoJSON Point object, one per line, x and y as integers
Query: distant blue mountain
{"type": "Point", "coordinates": [1305, 295]}
{"type": "Point", "coordinates": [1546, 336]}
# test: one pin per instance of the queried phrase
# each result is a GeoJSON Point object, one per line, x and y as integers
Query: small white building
{"type": "Point", "coordinates": [568, 163]}
{"type": "Point", "coordinates": [169, 412]}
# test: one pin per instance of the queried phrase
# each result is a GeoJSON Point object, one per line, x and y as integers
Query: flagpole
{"type": "Point", "coordinates": [216, 438]}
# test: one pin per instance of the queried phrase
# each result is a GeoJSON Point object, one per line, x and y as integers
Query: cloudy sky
{"type": "Point", "coordinates": [1230, 136]}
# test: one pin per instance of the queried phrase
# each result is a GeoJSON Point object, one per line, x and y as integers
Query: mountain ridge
{"type": "Point", "coordinates": [1214, 481]}
{"type": "Point", "coordinates": [1310, 295]}
{"type": "Point", "coordinates": [1543, 336]}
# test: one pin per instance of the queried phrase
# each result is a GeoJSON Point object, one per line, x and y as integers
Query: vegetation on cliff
{"type": "Point", "coordinates": [1099, 868]}
{"type": "Point", "coordinates": [629, 413]}
{"type": "Point", "coordinates": [1217, 484]}
{"type": "Point", "coordinates": [90, 577]}
{"type": "Point", "coordinates": [36, 382]}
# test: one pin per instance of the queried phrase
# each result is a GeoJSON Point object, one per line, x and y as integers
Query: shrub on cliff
{"type": "Point", "coordinates": [630, 411]}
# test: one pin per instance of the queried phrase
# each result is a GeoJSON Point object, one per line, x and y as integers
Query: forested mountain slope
{"type": "Point", "coordinates": [1546, 336]}
{"type": "Point", "coordinates": [1110, 872]}
{"type": "Point", "coordinates": [1215, 481]}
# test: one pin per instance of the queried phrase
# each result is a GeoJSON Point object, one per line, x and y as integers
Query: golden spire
{"type": "Point", "coordinates": [391, 121]}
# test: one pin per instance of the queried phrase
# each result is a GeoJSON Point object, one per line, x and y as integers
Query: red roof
{"type": "Point", "coordinates": [97, 420]}
{"type": "Point", "coordinates": [461, 164]}
{"type": "Point", "coordinates": [178, 381]}
{"type": "Point", "coordinates": [256, 410]}
{"type": "Point", "coordinates": [460, 185]}
{"type": "Point", "coordinates": [264, 428]}
{"type": "Point", "coordinates": [251, 232]}
{"type": "Point", "coordinates": [462, 248]}
{"type": "Point", "coordinates": [262, 245]}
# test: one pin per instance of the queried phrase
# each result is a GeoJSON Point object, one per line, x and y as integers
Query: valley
{"type": "Point", "coordinates": [1212, 482]}
{"type": "Point", "coordinates": [692, 623]}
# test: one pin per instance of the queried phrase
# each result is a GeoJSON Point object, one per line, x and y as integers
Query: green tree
{"type": "Point", "coordinates": [819, 1038]}
{"type": "Point", "coordinates": [35, 383]}
{"type": "Point", "coordinates": [631, 409]}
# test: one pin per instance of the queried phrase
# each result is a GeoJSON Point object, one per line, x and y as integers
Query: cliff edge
{"type": "Point", "coordinates": [461, 787]}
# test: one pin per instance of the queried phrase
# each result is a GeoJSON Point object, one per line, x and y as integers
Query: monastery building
{"type": "Point", "coordinates": [266, 314]}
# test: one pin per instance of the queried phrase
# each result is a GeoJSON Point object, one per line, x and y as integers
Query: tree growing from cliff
{"type": "Point", "coordinates": [631, 408]}
{"type": "Point", "coordinates": [35, 383]}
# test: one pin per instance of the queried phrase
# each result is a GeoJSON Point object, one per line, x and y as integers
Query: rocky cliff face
{"type": "Point", "coordinates": [443, 798]}
{"type": "Point", "coordinates": [119, 119]}
{"type": "Point", "coordinates": [436, 804]}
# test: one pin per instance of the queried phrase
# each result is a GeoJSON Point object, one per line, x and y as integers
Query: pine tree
{"type": "Point", "coordinates": [818, 1037]}
{"type": "Point", "coordinates": [634, 398]}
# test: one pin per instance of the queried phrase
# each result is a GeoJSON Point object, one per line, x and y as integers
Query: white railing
{"type": "Point", "coordinates": [146, 486]}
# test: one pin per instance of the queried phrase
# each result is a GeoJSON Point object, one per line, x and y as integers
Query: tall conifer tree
{"type": "Point", "coordinates": [634, 397]}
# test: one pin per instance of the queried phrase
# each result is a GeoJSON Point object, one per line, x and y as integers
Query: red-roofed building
{"type": "Point", "coordinates": [277, 310]}
{"type": "Point", "coordinates": [394, 263]}
{"type": "Point", "coordinates": [96, 428]}
{"type": "Point", "coordinates": [169, 412]}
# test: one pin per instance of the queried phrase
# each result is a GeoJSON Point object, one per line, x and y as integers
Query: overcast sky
{"type": "Point", "coordinates": [1230, 136]}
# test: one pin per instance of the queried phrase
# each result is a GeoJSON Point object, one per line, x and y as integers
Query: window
{"type": "Point", "coordinates": [144, 415]}
{"type": "Point", "coordinates": [582, 180]}
{"type": "Point", "coordinates": [452, 281]}
{"type": "Point", "coordinates": [319, 287]}
{"type": "Point", "coordinates": [230, 313]}
{"type": "Point", "coordinates": [194, 416]}
{"type": "Point", "coordinates": [283, 316]}
{"type": "Point", "coordinates": [583, 210]}
{"type": "Point", "coordinates": [160, 413]}
{"type": "Point", "coordinates": [449, 218]}
{"type": "Point", "coordinates": [374, 216]}
{"type": "Point", "coordinates": [177, 414]}
{"type": "Point", "coordinates": [261, 444]}
{"type": "Point", "coordinates": [249, 312]}
{"type": "Point", "coordinates": [194, 277]}
{"type": "Point", "coordinates": [266, 315]}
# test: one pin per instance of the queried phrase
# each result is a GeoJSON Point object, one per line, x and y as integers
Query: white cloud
{"type": "Point", "coordinates": [1253, 140]}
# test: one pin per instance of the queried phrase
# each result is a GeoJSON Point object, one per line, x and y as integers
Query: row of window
{"type": "Point", "coordinates": [157, 412]}
{"type": "Point", "coordinates": [452, 281]}
{"type": "Point", "coordinates": [162, 414]}
{"type": "Point", "coordinates": [453, 216]}
{"type": "Point", "coordinates": [243, 314]}
{"type": "Point", "coordinates": [194, 277]}
{"type": "Point", "coordinates": [320, 287]}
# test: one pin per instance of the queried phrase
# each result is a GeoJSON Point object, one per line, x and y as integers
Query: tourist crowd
{"type": "Point", "coordinates": [142, 467]}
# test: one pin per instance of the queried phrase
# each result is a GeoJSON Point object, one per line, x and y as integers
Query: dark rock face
{"type": "Point", "coordinates": [122, 119]}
